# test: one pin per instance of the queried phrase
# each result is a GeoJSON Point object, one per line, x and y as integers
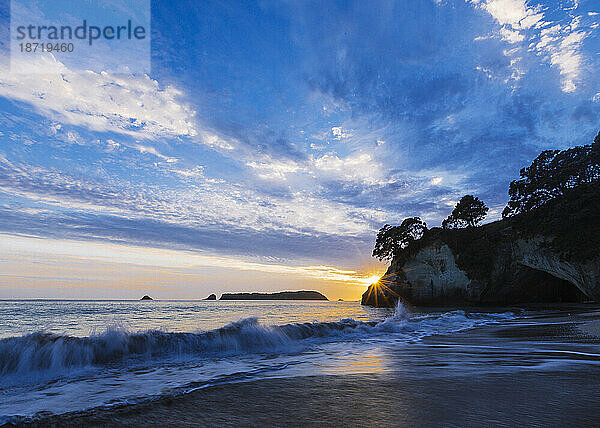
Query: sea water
{"type": "Point", "coordinates": [66, 356]}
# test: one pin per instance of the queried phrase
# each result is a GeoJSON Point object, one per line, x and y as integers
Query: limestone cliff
{"type": "Point", "coordinates": [546, 249]}
{"type": "Point", "coordinates": [521, 270]}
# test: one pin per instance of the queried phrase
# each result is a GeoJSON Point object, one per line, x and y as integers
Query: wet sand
{"type": "Point", "coordinates": [483, 377]}
{"type": "Point", "coordinates": [528, 399]}
{"type": "Point", "coordinates": [591, 328]}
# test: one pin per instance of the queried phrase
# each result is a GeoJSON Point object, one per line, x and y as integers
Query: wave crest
{"type": "Point", "coordinates": [43, 351]}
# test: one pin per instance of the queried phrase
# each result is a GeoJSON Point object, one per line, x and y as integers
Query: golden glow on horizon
{"type": "Point", "coordinates": [43, 263]}
{"type": "Point", "coordinates": [370, 280]}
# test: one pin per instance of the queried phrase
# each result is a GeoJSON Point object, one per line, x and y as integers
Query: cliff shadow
{"type": "Point", "coordinates": [532, 285]}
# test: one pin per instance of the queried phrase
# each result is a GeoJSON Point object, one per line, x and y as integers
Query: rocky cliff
{"type": "Point", "coordinates": [552, 255]}
{"type": "Point", "coordinates": [524, 271]}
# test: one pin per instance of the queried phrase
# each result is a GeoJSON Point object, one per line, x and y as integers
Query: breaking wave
{"type": "Point", "coordinates": [43, 351]}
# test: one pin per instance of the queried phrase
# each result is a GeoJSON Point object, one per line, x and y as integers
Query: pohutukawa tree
{"type": "Point", "coordinates": [551, 174]}
{"type": "Point", "coordinates": [391, 240]}
{"type": "Point", "coordinates": [469, 211]}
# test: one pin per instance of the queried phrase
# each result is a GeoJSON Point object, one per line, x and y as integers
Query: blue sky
{"type": "Point", "coordinates": [285, 134]}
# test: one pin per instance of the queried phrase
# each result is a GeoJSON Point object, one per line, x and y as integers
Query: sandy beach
{"type": "Point", "coordinates": [529, 373]}
{"type": "Point", "coordinates": [591, 328]}
{"type": "Point", "coordinates": [529, 399]}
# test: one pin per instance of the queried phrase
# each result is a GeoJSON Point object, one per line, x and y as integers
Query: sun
{"type": "Point", "coordinates": [370, 280]}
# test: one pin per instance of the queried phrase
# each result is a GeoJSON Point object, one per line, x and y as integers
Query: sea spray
{"type": "Point", "coordinates": [401, 311]}
{"type": "Point", "coordinates": [43, 351]}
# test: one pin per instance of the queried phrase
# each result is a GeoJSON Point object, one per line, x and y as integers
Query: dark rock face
{"type": "Point", "coordinates": [283, 295]}
{"type": "Point", "coordinates": [381, 297]}
{"type": "Point", "coordinates": [520, 271]}
{"type": "Point", "coordinates": [146, 297]}
{"type": "Point", "coordinates": [548, 255]}
{"type": "Point", "coordinates": [211, 297]}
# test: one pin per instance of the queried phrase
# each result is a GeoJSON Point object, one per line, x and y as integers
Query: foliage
{"type": "Point", "coordinates": [469, 211]}
{"type": "Point", "coordinates": [474, 248]}
{"type": "Point", "coordinates": [392, 240]}
{"type": "Point", "coordinates": [571, 221]}
{"type": "Point", "coordinates": [551, 175]}
{"type": "Point", "coordinates": [557, 198]}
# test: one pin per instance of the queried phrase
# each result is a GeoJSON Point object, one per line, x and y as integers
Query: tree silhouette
{"type": "Point", "coordinates": [551, 174]}
{"type": "Point", "coordinates": [469, 211]}
{"type": "Point", "coordinates": [392, 240]}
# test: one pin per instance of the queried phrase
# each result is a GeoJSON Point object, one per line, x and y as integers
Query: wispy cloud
{"type": "Point", "coordinates": [559, 42]}
{"type": "Point", "coordinates": [165, 258]}
{"type": "Point", "coordinates": [206, 207]}
{"type": "Point", "coordinates": [134, 105]}
{"type": "Point", "coordinates": [153, 151]}
{"type": "Point", "coordinates": [294, 150]}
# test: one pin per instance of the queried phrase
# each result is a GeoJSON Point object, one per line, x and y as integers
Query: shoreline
{"type": "Point", "coordinates": [496, 374]}
{"type": "Point", "coordinates": [532, 399]}
{"type": "Point", "coordinates": [590, 328]}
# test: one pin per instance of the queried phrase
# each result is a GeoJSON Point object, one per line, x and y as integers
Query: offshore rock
{"type": "Point", "coordinates": [282, 295]}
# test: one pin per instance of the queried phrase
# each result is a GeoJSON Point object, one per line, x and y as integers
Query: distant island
{"type": "Point", "coordinates": [211, 297]}
{"type": "Point", "coordinates": [282, 295]}
{"type": "Point", "coordinates": [146, 297]}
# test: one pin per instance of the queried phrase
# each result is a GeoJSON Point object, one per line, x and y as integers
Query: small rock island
{"type": "Point", "coordinates": [146, 297]}
{"type": "Point", "coordinates": [282, 295]}
{"type": "Point", "coordinates": [211, 297]}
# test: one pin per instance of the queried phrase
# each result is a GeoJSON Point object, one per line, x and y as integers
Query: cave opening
{"type": "Point", "coordinates": [533, 285]}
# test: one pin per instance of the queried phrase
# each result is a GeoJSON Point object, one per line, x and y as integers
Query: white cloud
{"type": "Point", "coordinates": [134, 105]}
{"type": "Point", "coordinates": [73, 137]}
{"type": "Point", "coordinates": [153, 151]}
{"type": "Point", "coordinates": [196, 172]}
{"type": "Point", "coordinates": [560, 45]}
{"type": "Point", "coordinates": [215, 141]}
{"type": "Point", "coordinates": [514, 13]}
{"type": "Point", "coordinates": [359, 168]}
{"type": "Point", "coordinates": [275, 169]}
{"type": "Point", "coordinates": [112, 145]}
{"type": "Point", "coordinates": [487, 71]}
{"type": "Point", "coordinates": [339, 133]}
{"type": "Point", "coordinates": [202, 202]}
{"type": "Point", "coordinates": [511, 36]}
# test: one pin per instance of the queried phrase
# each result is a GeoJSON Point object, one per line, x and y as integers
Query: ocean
{"type": "Point", "coordinates": [71, 357]}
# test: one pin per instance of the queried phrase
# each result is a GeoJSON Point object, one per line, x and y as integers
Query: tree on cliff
{"type": "Point", "coordinates": [391, 240]}
{"type": "Point", "coordinates": [551, 174]}
{"type": "Point", "coordinates": [469, 211]}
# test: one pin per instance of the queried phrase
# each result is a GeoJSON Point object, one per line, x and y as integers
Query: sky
{"type": "Point", "coordinates": [272, 139]}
